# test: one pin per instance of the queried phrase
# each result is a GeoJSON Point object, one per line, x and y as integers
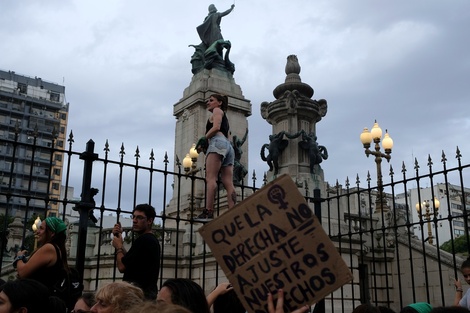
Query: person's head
{"type": "Point", "coordinates": [27, 295]}
{"type": "Point", "coordinates": [183, 292]}
{"type": "Point", "coordinates": [152, 307]}
{"type": "Point", "coordinates": [84, 303]}
{"type": "Point", "coordinates": [52, 229]}
{"type": "Point", "coordinates": [228, 303]}
{"type": "Point", "coordinates": [212, 8]}
{"type": "Point", "coordinates": [217, 101]}
{"type": "Point", "coordinates": [366, 308]}
{"type": "Point", "coordinates": [143, 216]}
{"type": "Point", "coordinates": [117, 297]}
{"type": "Point", "coordinates": [465, 269]}
{"type": "Point", "coordinates": [418, 307]}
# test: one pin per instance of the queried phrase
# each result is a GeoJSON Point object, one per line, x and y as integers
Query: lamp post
{"type": "Point", "coordinates": [375, 135]}
{"type": "Point", "coordinates": [427, 215]}
{"type": "Point", "coordinates": [35, 228]}
{"type": "Point", "coordinates": [190, 168]}
{"type": "Point", "coordinates": [190, 161]}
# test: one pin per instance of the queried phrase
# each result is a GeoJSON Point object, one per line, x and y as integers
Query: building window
{"type": "Point", "coordinates": [22, 88]}
{"type": "Point", "coordinates": [58, 157]}
{"type": "Point", "coordinates": [55, 97]}
{"type": "Point", "coordinates": [55, 186]}
{"type": "Point", "coordinates": [57, 171]}
{"type": "Point", "coordinates": [458, 224]}
{"type": "Point", "coordinates": [60, 143]}
{"type": "Point", "coordinates": [456, 206]}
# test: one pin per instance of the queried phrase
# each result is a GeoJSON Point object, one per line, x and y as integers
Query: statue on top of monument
{"type": "Point", "coordinates": [209, 31]}
{"type": "Point", "coordinates": [209, 53]}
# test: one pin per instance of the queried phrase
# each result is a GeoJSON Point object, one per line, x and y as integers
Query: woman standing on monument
{"type": "Point", "coordinates": [219, 155]}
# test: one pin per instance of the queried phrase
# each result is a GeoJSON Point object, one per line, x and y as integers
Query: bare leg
{"type": "Point", "coordinates": [213, 164]}
{"type": "Point", "coordinates": [227, 180]}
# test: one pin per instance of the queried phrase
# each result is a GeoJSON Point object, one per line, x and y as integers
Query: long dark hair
{"type": "Point", "coordinates": [188, 294]}
{"type": "Point", "coordinates": [223, 99]}
{"type": "Point", "coordinates": [58, 240]}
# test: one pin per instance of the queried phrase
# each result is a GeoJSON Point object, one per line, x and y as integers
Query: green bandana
{"type": "Point", "coordinates": [421, 307]}
{"type": "Point", "coordinates": [56, 225]}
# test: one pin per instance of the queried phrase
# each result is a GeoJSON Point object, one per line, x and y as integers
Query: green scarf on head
{"type": "Point", "coordinates": [55, 224]}
{"type": "Point", "coordinates": [421, 307]}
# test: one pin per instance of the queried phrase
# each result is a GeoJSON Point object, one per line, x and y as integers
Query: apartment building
{"type": "Point", "coordinates": [34, 113]}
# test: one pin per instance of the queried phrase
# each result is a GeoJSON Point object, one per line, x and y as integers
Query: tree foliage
{"type": "Point", "coordinates": [460, 245]}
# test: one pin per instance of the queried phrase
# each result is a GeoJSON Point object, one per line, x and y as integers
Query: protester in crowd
{"type": "Point", "coordinates": [117, 297]}
{"type": "Point", "coordinates": [366, 308]}
{"type": "Point", "coordinates": [141, 264]}
{"type": "Point", "coordinates": [28, 296]}
{"type": "Point", "coordinates": [47, 264]}
{"type": "Point", "coordinates": [84, 303]}
{"type": "Point", "coordinates": [418, 307]}
{"type": "Point", "coordinates": [220, 155]}
{"type": "Point", "coordinates": [152, 307]}
{"type": "Point", "coordinates": [183, 292]}
{"type": "Point", "coordinates": [461, 299]}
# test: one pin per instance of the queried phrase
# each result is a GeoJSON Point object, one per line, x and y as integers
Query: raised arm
{"type": "Point", "coordinates": [228, 11]}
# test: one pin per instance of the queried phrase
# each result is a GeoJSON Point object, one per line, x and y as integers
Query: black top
{"type": "Point", "coordinates": [224, 128]}
{"type": "Point", "coordinates": [49, 275]}
{"type": "Point", "coordinates": [142, 263]}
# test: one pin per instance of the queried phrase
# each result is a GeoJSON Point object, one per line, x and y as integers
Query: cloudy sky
{"type": "Point", "coordinates": [126, 63]}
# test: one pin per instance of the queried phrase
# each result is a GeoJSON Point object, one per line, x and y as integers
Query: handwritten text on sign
{"type": "Point", "coordinates": [272, 240]}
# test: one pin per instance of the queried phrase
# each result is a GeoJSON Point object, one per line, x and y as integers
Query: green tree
{"type": "Point", "coordinates": [460, 245]}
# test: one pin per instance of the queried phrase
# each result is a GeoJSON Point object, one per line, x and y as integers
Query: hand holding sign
{"type": "Point", "coordinates": [280, 304]}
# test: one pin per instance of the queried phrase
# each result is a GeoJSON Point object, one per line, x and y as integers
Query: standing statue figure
{"type": "Point", "coordinates": [316, 153]}
{"type": "Point", "coordinates": [209, 53]}
{"type": "Point", "coordinates": [239, 170]}
{"type": "Point", "coordinates": [209, 31]}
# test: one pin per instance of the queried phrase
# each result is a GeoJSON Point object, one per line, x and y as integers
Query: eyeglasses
{"type": "Point", "coordinates": [138, 217]}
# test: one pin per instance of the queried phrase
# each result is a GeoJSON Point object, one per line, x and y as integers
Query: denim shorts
{"type": "Point", "coordinates": [220, 145]}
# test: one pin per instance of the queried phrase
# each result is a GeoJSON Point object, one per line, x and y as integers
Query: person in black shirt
{"type": "Point", "coordinates": [141, 264]}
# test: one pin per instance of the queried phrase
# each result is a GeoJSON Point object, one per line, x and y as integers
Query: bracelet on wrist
{"type": "Point", "coordinates": [459, 290]}
{"type": "Point", "coordinates": [18, 258]}
{"type": "Point", "coordinates": [119, 250]}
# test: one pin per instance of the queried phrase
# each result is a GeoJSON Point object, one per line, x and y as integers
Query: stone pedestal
{"type": "Point", "coordinates": [293, 116]}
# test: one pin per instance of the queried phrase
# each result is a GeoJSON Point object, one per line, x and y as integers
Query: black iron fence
{"type": "Point", "coordinates": [390, 241]}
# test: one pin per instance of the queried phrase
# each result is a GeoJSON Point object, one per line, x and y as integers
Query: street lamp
{"type": "Point", "coordinates": [190, 161]}
{"type": "Point", "coordinates": [35, 228]}
{"type": "Point", "coordinates": [375, 135]}
{"type": "Point", "coordinates": [427, 214]}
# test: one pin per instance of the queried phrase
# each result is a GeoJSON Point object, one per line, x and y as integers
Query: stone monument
{"type": "Point", "coordinates": [293, 146]}
{"type": "Point", "coordinates": [212, 73]}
